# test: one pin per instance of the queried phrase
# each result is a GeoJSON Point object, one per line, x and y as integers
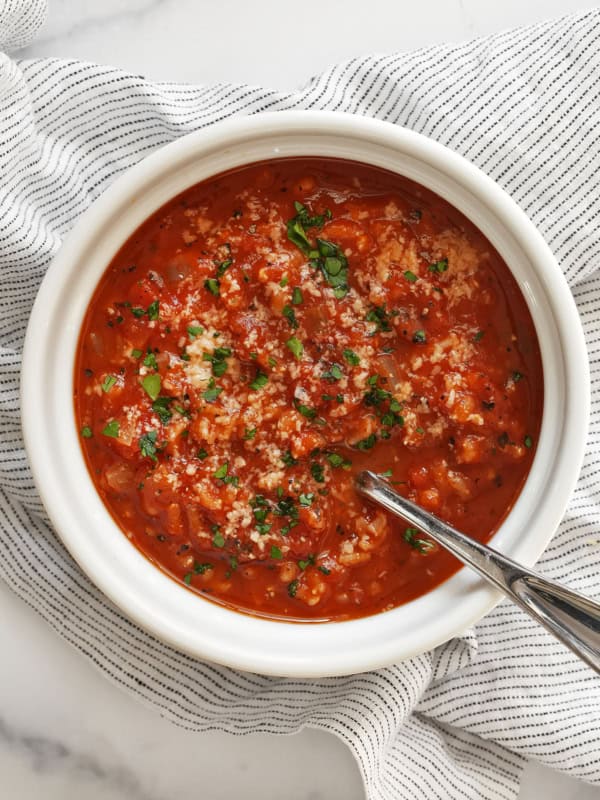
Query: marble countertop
{"type": "Point", "coordinates": [65, 732]}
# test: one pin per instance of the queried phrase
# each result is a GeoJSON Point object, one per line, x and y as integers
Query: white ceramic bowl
{"type": "Point", "coordinates": [142, 591]}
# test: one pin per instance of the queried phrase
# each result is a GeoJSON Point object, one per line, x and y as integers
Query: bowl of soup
{"type": "Point", "coordinates": [248, 318]}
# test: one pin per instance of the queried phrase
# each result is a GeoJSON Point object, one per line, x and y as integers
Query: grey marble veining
{"type": "Point", "coordinates": [65, 732]}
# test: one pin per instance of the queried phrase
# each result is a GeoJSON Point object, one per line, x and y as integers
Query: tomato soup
{"type": "Point", "coordinates": [274, 330]}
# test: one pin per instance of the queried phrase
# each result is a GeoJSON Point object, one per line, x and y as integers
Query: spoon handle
{"type": "Point", "coordinates": [572, 618]}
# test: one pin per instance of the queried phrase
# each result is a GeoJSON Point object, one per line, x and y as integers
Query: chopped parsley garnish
{"type": "Point", "coordinates": [276, 552]}
{"type": "Point", "coordinates": [151, 385]}
{"type": "Point", "coordinates": [410, 276]}
{"type": "Point", "coordinates": [147, 444]}
{"type": "Point", "coordinates": [336, 460]}
{"type": "Point", "coordinates": [351, 357]}
{"type": "Point", "coordinates": [368, 443]}
{"type": "Point", "coordinates": [528, 441]}
{"type": "Point", "coordinates": [516, 376]}
{"type": "Point", "coordinates": [263, 527]}
{"type": "Point", "coordinates": [218, 539]}
{"type": "Point", "coordinates": [136, 353]}
{"type": "Point", "coordinates": [86, 432]}
{"type": "Point", "coordinates": [380, 317]}
{"type": "Point", "coordinates": [249, 433]}
{"type": "Point", "coordinates": [297, 296]}
{"type": "Point", "coordinates": [386, 474]}
{"type": "Point", "coordinates": [334, 373]}
{"type": "Point", "coordinates": [303, 563]}
{"type": "Point", "coordinates": [202, 454]}
{"type": "Point", "coordinates": [324, 570]}
{"type": "Point", "coordinates": [223, 266]}
{"type": "Point", "coordinates": [424, 546]}
{"type": "Point", "coordinates": [161, 408]}
{"type": "Point", "coordinates": [260, 381]}
{"type": "Point", "coordinates": [419, 337]}
{"type": "Point", "coordinates": [194, 330]}
{"type": "Point", "coordinates": [288, 459]}
{"type": "Point", "coordinates": [478, 336]}
{"type": "Point", "coordinates": [306, 500]}
{"type": "Point", "coordinates": [221, 472]}
{"type": "Point", "coordinates": [283, 282]}
{"type": "Point", "coordinates": [213, 286]}
{"type": "Point", "coordinates": [289, 313]}
{"type": "Point", "coordinates": [317, 471]}
{"type": "Point", "coordinates": [306, 411]}
{"type": "Point", "coordinates": [111, 429]}
{"type": "Point", "coordinates": [296, 346]}
{"type": "Point", "coordinates": [199, 569]}
{"type": "Point", "coordinates": [108, 382]}
{"type": "Point", "coordinates": [213, 391]}
{"type": "Point", "coordinates": [150, 360]}
{"type": "Point", "coordinates": [439, 266]}
{"type": "Point", "coordinates": [298, 225]}
{"type": "Point", "coordinates": [292, 588]}
{"type": "Point", "coordinates": [153, 310]}
{"type": "Point", "coordinates": [218, 360]}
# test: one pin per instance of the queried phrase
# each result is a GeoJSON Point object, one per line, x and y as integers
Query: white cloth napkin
{"type": "Point", "coordinates": [525, 107]}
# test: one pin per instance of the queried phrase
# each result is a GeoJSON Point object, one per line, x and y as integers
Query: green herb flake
{"type": "Point", "coordinates": [263, 527]}
{"type": "Point", "coordinates": [249, 433]}
{"type": "Point", "coordinates": [478, 336]}
{"type": "Point", "coordinates": [334, 373]}
{"type": "Point", "coordinates": [424, 546]}
{"type": "Point", "coordinates": [213, 391]}
{"type": "Point", "coordinates": [351, 357]}
{"type": "Point", "coordinates": [86, 432]}
{"type": "Point", "coordinates": [324, 570]}
{"type": "Point", "coordinates": [136, 353]}
{"type": "Point", "coordinates": [297, 296]}
{"type": "Point", "coordinates": [292, 588]}
{"type": "Point", "coordinates": [516, 376]}
{"type": "Point", "coordinates": [212, 285]}
{"type": "Point", "coordinates": [153, 310]}
{"type": "Point", "coordinates": [223, 267]}
{"type": "Point", "coordinates": [410, 276]}
{"type": "Point", "coordinates": [218, 538]}
{"type": "Point", "coordinates": [276, 553]}
{"type": "Point", "coordinates": [187, 578]}
{"type": "Point", "coordinates": [380, 317]}
{"type": "Point", "coordinates": [306, 411]}
{"type": "Point", "coordinates": [386, 474]}
{"type": "Point", "coordinates": [439, 266]}
{"type": "Point", "coordinates": [306, 500]}
{"type": "Point", "coordinates": [150, 360]}
{"type": "Point", "coordinates": [289, 313]}
{"type": "Point", "coordinates": [111, 429]}
{"type": "Point", "coordinates": [202, 454]}
{"type": "Point", "coordinates": [260, 381]}
{"type": "Point", "coordinates": [283, 282]}
{"type": "Point", "coordinates": [108, 382]}
{"type": "Point", "coordinates": [151, 385]}
{"type": "Point", "coordinates": [296, 347]}
{"type": "Point", "coordinates": [161, 408]}
{"type": "Point", "coordinates": [366, 444]}
{"type": "Point", "coordinates": [317, 471]}
{"type": "Point", "coordinates": [222, 471]}
{"type": "Point", "coordinates": [194, 330]}
{"type": "Point", "coordinates": [528, 442]}
{"type": "Point", "coordinates": [288, 459]}
{"type": "Point", "coordinates": [147, 444]}
{"type": "Point", "coordinates": [419, 337]}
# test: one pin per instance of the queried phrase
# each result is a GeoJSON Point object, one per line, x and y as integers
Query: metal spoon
{"type": "Point", "coordinates": [572, 618]}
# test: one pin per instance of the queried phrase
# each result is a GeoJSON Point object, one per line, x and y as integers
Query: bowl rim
{"type": "Point", "coordinates": [229, 641]}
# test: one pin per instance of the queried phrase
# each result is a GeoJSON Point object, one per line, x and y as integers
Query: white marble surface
{"type": "Point", "coordinates": [65, 732]}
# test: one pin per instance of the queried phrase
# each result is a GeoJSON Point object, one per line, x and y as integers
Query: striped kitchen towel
{"type": "Point", "coordinates": [524, 106]}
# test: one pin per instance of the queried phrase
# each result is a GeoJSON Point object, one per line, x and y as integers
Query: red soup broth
{"type": "Point", "coordinates": [274, 330]}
